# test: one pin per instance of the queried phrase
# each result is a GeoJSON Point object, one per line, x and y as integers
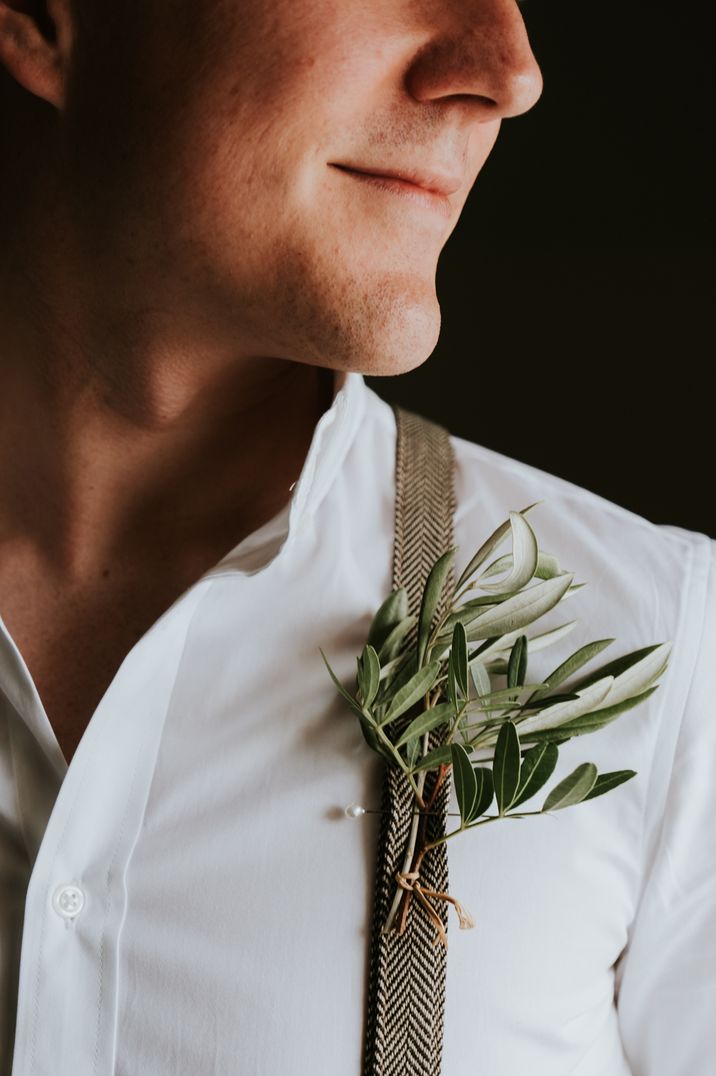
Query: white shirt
{"type": "Point", "coordinates": [195, 900]}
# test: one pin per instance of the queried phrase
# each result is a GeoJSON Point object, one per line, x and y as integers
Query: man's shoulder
{"type": "Point", "coordinates": [645, 583]}
{"type": "Point", "coordinates": [581, 522]}
{"type": "Point", "coordinates": [590, 534]}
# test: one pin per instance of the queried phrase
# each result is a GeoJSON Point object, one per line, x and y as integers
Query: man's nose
{"type": "Point", "coordinates": [477, 50]}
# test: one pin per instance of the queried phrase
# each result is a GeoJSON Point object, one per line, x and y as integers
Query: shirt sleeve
{"type": "Point", "coordinates": [666, 976]}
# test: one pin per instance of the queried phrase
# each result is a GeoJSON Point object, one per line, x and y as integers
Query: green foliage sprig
{"type": "Point", "coordinates": [417, 675]}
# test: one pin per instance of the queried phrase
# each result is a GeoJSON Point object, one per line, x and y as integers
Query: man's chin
{"type": "Point", "coordinates": [387, 313]}
{"type": "Point", "coordinates": [405, 341]}
{"type": "Point", "coordinates": [380, 324]}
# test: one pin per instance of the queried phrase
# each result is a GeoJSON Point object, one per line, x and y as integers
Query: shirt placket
{"type": "Point", "coordinates": [77, 894]}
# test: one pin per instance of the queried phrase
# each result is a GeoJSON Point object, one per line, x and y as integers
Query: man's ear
{"type": "Point", "coordinates": [35, 40]}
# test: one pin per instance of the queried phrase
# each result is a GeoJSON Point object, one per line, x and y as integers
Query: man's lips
{"type": "Point", "coordinates": [431, 189]}
{"type": "Point", "coordinates": [432, 180]}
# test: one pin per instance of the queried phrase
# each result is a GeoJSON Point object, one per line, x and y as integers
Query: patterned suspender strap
{"type": "Point", "coordinates": [406, 981]}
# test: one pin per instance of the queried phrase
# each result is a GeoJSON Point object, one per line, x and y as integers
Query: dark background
{"type": "Point", "coordinates": [577, 288]}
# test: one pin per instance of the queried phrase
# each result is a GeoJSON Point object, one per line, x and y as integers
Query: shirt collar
{"type": "Point", "coordinates": [332, 437]}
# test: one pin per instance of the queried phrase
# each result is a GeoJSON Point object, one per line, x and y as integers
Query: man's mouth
{"type": "Point", "coordinates": [430, 190]}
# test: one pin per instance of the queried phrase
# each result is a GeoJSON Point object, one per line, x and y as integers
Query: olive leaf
{"type": "Point", "coordinates": [517, 665]}
{"type": "Point", "coordinates": [547, 566]}
{"type": "Point", "coordinates": [488, 547]}
{"type": "Point", "coordinates": [413, 752]}
{"type": "Point", "coordinates": [431, 597]}
{"type": "Point", "coordinates": [522, 608]}
{"type": "Point", "coordinates": [606, 781]}
{"type": "Point", "coordinates": [525, 556]}
{"type": "Point", "coordinates": [390, 613]}
{"type": "Point", "coordinates": [410, 693]}
{"type": "Point", "coordinates": [439, 756]}
{"type": "Point", "coordinates": [502, 643]}
{"type": "Point", "coordinates": [367, 724]}
{"type": "Point", "coordinates": [371, 738]}
{"type": "Point", "coordinates": [405, 670]}
{"type": "Point", "coordinates": [639, 674]}
{"type": "Point", "coordinates": [631, 672]}
{"type": "Point", "coordinates": [573, 789]}
{"type": "Point", "coordinates": [590, 722]}
{"type": "Point", "coordinates": [505, 695]}
{"type": "Point", "coordinates": [368, 675]}
{"type": "Point", "coordinates": [465, 782]}
{"type": "Point", "coordinates": [425, 722]}
{"type": "Point", "coordinates": [480, 676]}
{"type": "Point", "coordinates": [395, 637]}
{"type": "Point", "coordinates": [458, 658]}
{"type": "Point", "coordinates": [469, 611]}
{"type": "Point", "coordinates": [355, 707]}
{"type": "Point", "coordinates": [485, 791]}
{"type": "Point", "coordinates": [562, 712]}
{"type": "Point", "coordinates": [506, 766]}
{"type": "Point", "coordinates": [575, 661]}
{"type": "Point", "coordinates": [537, 767]}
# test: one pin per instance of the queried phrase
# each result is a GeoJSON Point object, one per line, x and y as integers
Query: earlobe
{"type": "Point", "coordinates": [34, 61]}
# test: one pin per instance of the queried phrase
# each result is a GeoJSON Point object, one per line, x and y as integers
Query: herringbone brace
{"type": "Point", "coordinates": [407, 974]}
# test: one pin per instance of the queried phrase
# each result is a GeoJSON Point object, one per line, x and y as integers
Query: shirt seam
{"type": "Point", "coordinates": [120, 928]}
{"type": "Point", "coordinates": [650, 848]}
{"type": "Point", "coordinates": [103, 942]}
{"type": "Point", "coordinates": [16, 790]}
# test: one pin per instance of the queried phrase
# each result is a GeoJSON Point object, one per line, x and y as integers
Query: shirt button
{"type": "Point", "coordinates": [68, 901]}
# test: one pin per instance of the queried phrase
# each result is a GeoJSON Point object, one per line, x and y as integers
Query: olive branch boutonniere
{"type": "Point", "coordinates": [417, 674]}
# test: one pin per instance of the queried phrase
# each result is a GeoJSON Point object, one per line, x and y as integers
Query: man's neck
{"type": "Point", "coordinates": [150, 451]}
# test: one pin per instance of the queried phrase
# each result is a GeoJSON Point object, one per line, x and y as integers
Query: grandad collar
{"type": "Point", "coordinates": [333, 435]}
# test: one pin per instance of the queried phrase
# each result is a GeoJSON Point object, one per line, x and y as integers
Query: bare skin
{"type": "Point", "coordinates": [184, 269]}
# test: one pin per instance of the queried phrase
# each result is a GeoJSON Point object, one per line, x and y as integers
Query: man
{"type": "Point", "coordinates": [199, 264]}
